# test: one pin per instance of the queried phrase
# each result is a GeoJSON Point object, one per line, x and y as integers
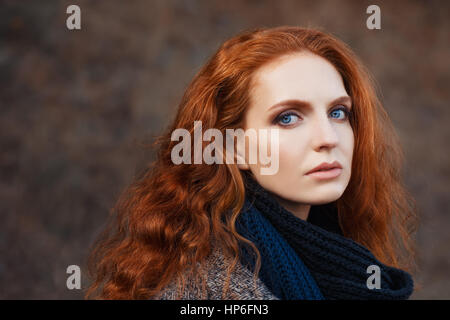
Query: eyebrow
{"type": "Point", "coordinates": [306, 104]}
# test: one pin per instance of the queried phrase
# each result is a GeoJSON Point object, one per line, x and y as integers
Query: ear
{"type": "Point", "coordinates": [243, 166]}
{"type": "Point", "coordinates": [240, 158]}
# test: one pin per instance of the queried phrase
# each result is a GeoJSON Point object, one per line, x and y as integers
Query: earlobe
{"type": "Point", "coordinates": [240, 159]}
{"type": "Point", "coordinates": [243, 166]}
{"type": "Point", "coordinates": [241, 163]}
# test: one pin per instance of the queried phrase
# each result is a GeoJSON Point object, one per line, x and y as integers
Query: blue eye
{"type": "Point", "coordinates": [340, 113]}
{"type": "Point", "coordinates": [286, 118]}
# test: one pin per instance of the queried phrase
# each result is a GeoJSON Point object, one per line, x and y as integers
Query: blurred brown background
{"type": "Point", "coordinates": [76, 105]}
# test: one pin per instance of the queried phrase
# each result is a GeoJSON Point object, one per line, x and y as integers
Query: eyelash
{"type": "Point", "coordinates": [344, 108]}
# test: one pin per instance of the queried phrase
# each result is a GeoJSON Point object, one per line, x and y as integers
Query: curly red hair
{"type": "Point", "coordinates": [166, 221]}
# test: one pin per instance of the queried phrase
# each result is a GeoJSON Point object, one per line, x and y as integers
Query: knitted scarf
{"type": "Point", "coordinates": [300, 260]}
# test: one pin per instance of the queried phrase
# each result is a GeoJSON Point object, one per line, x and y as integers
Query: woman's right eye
{"type": "Point", "coordinates": [285, 119]}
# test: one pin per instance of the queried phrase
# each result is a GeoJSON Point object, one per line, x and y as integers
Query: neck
{"type": "Point", "coordinates": [300, 210]}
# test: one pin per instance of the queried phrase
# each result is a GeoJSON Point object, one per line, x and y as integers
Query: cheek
{"type": "Point", "coordinates": [347, 142]}
{"type": "Point", "coordinates": [350, 143]}
{"type": "Point", "coordinates": [292, 151]}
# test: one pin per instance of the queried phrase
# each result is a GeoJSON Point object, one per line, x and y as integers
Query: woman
{"type": "Point", "coordinates": [332, 221]}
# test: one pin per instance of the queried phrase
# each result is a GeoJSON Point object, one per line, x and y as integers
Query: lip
{"type": "Point", "coordinates": [326, 170]}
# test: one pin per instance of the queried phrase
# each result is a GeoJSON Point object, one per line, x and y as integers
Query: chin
{"type": "Point", "coordinates": [323, 195]}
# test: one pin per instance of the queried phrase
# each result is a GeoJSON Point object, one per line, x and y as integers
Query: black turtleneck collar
{"type": "Point", "coordinates": [326, 217]}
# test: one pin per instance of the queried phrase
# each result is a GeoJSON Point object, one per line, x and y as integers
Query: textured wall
{"type": "Point", "coordinates": [76, 105]}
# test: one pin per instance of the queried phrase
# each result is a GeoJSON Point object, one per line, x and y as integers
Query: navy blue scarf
{"type": "Point", "coordinates": [301, 260]}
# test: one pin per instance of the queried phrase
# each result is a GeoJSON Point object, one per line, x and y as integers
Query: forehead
{"type": "Point", "coordinates": [301, 75]}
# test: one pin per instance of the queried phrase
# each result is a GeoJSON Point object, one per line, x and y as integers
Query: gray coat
{"type": "Point", "coordinates": [241, 285]}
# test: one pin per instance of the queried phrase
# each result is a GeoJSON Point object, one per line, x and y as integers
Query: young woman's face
{"type": "Point", "coordinates": [313, 127]}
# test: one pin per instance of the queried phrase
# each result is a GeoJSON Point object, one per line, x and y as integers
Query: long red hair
{"type": "Point", "coordinates": [166, 221]}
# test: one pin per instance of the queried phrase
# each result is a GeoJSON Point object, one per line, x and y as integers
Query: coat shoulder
{"type": "Point", "coordinates": [242, 285]}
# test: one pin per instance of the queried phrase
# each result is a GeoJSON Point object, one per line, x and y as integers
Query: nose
{"type": "Point", "coordinates": [324, 135]}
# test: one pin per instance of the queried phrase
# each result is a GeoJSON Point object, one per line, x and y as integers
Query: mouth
{"type": "Point", "coordinates": [326, 170]}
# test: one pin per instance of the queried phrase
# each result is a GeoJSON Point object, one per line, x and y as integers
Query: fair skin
{"type": "Point", "coordinates": [310, 133]}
